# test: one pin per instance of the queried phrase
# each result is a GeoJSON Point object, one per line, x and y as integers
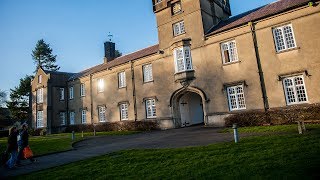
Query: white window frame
{"type": "Point", "coordinates": [150, 105]}
{"type": "Point", "coordinates": [282, 39]}
{"type": "Point", "coordinates": [40, 119]}
{"type": "Point", "coordinates": [62, 117]}
{"type": "Point", "coordinates": [178, 28]}
{"type": "Point", "coordinates": [122, 79]}
{"type": "Point", "coordinates": [84, 116]}
{"type": "Point", "coordinates": [102, 113]}
{"type": "Point", "coordinates": [229, 47]}
{"type": "Point", "coordinates": [82, 90]}
{"type": "Point", "coordinates": [71, 92]}
{"type": "Point", "coordinates": [147, 73]}
{"type": "Point", "coordinates": [124, 113]}
{"type": "Point", "coordinates": [72, 117]}
{"type": "Point", "coordinates": [40, 79]}
{"type": "Point", "coordinates": [237, 97]}
{"type": "Point", "coordinates": [294, 90]}
{"type": "Point", "coordinates": [61, 94]}
{"type": "Point", "coordinates": [100, 85]}
{"type": "Point", "coordinates": [40, 95]}
{"type": "Point", "coordinates": [182, 59]}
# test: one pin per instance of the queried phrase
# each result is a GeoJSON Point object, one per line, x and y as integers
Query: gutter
{"type": "Point", "coordinates": [134, 92]}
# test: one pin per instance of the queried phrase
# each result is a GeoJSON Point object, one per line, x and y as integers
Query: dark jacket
{"type": "Point", "coordinates": [12, 142]}
{"type": "Point", "coordinates": [24, 138]}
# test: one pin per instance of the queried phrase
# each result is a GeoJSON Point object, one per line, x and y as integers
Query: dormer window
{"type": "Point", "coordinates": [176, 8]}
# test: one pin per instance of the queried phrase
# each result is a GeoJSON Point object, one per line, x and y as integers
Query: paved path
{"type": "Point", "coordinates": [95, 146]}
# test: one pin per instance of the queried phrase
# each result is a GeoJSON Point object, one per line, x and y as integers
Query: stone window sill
{"type": "Point", "coordinates": [287, 50]}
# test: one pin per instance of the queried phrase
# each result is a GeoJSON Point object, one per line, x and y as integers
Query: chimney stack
{"type": "Point", "coordinates": [109, 51]}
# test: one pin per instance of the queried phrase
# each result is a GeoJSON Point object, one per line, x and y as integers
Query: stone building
{"type": "Point", "coordinates": [207, 65]}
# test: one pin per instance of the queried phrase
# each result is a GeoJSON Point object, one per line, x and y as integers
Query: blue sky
{"type": "Point", "coordinates": [76, 30]}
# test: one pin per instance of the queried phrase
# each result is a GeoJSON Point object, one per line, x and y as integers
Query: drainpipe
{"type": "Point", "coordinates": [134, 92]}
{"type": "Point", "coordinates": [66, 95]}
{"type": "Point", "coordinates": [262, 83]}
{"type": "Point", "coordinates": [91, 100]}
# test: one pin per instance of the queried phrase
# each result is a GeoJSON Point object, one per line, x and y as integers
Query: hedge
{"type": "Point", "coordinates": [275, 116]}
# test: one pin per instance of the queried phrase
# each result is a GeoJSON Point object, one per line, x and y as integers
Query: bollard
{"type": "Point", "coordinates": [82, 134]}
{"type": "Point", "coordinates": [72, 136]}
{"type": "Point", "coordinates": [299, 127]}
{"type": "Point", "coordinates": [235, 133]}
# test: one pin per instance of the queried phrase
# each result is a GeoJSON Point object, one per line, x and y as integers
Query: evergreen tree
{"type": "Point", "coordinates": [3, 96]}
{"type": "Point", "coordinates": [42, 56]}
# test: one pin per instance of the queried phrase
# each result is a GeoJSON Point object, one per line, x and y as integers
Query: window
{"type": "Point", "coordinates": [236, 97]}
{"type": "Point", "coordinates": [40, 119]}
{"type": "Point", "coordinates": [100, 85]}
{"type": "Point", "coordinates": [40, 95]}
{"type": "Point", "coordinates": [182, 58]}
{"type": "Point", "coordinates": [158, 1]}
{"type": "Point", "coordinates": [178, 28]}
{"type": "Point", "coordinates": [122, 79]}
{"type": "Point", "coordinates": [62, 116]}
{"type": "Point", "coordinates": [61, 94]}
{"type": "Point", "coordinates": [102, 113]}
{"type": "Point", "coordinates": [82, 90]}
{"type": "Point", "coordinates": [72, 114]}
{"type": "Point", "coordinates": [40, 79]}
{"type": "Point", "coordinates": [124, 111]}
{"type": "Point", "coordinates": [84, 116]}
{"type": "Point", "coordinates": [176, 8]}
{"type": "Point", "coordinates": [151, 108]}
{"type": "Point", "coordinates": [71, 92]}
{"type": "Point", "coordinates": [147, 73]}
{"type": "Point", "coordinates": [229, 52]}
{"type": "Point", "coordinates": [295, 90]}
{"type": "Point", "coordinates": [284, 38]}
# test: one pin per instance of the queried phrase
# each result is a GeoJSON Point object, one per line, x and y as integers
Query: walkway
{"type": "Point", "coordinates": [96, 146]}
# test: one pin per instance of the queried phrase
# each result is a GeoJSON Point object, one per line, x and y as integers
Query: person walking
{"type": "Point", "coordinates": [23, 142]}
{"type": "Point", "coordinates": [12, 147]}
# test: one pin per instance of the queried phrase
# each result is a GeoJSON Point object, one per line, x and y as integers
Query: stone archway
{"type": "Point", "coordinates": [189, 107]}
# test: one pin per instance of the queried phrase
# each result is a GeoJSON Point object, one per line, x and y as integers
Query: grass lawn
{"type": "Point", "coordinates": [58, 142]}
{"type": "Point", "coordinates": [285, 156]}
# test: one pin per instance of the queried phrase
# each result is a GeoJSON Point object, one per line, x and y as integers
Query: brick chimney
{"type": "Point", "coordinates": [109, 51]}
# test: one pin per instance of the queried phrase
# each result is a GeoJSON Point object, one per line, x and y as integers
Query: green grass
{"type": "Point", "coordinates": [286, 156]}
{"type": "Point", "coordinates": [265, 129]}
{"type": "Point", "coordinates": [59, 142]}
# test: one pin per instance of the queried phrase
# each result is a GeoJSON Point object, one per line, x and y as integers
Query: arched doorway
{"type": "Point", "coordinates": [188, 107]}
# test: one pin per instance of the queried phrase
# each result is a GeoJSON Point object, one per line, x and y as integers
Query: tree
{"type": "Point", "coordinates": [118, 53]}
{"type": "Point", "coordinates": [42, 56]}
{"type": "Point", "coordinates": [19, 99]}
{"type": "Point", "coordinates": [3, 96]}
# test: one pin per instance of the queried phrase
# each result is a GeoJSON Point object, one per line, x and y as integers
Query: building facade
{"type": "Point", "coordinates": [206, 67]}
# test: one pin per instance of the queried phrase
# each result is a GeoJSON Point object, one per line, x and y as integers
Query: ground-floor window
{"type": "Point", "coordinates": [295, 90]}
{"type": "Point", "coordinates": [84, 116]}
{"type": "Point", "coordinates": [102, 113]}
{"type": "Point", "coordinates": [151, 108]}
{"type": "Point", "coordinates": [72, 114]}
{"type": "Point", "coordinates": [124, 111]}
{"type": "Point", "coordinates": [236, 97]}
{"type": "Point", "coordinates": [40, 119]}
{"type": "Point", "coordinates": [62, 116]}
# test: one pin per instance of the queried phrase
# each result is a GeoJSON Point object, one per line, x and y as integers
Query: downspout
{"type": "Point", "coordinates": [261, 76]}
{"type": "Point", "coordinates": [134, 92]}
{"type": "Point", "coordinates": [67, 101]}
{"type": "Point", "coordinates": [91, 100]}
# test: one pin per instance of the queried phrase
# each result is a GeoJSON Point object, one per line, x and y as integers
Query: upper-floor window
{"type": "Point", "coordinates": [284, 38]}
{"type": "Point", "coordinates": [40, 79]}
{"type": "Point", "coordinates": [122, 79]}
{"type": "Point", "coordinates": [124, 111]}
{"type": "Point", "coordinates": [147, 73]}
{"type": "Point", "coordinates": [71, 92]}
{"type": "Point", "coordinates": [102, 113]}
{"type": "Point", "coordinates": [72, 117]}
{"type": "Point", "coordinates": [178, 28]}
{"type": "Point", "coordinates": [295, 90]}
{"type": "Point", "coordinates": [62, 116]}
{"type": "Point", "coordinates": [182, 59]}
{"type": "Point", "coordinates": [100, 85]}
{"type": "Point", "coordinates": [158, 1]}
{"type": "Point", "coordinates": [82, 90]}
{"type": "Point", "coordinates": [151, 108]}
{"type": "Point", "coordinates": [236, 97]}
{"type": "Point", "coordinates": [40, 95]}
{"type": "Point", "coordinates": [40, 119]}
{"type": "Point", "coordinates": [229, 52]}
{"type": "Point", "coordinates": [176, 8]}
{"type": "Point", "coordinates": [84, 116]}
{"type": "Point", "coordinates": [61, 94]}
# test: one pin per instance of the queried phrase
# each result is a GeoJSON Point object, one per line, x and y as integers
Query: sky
{"type": "Point", "coordinates": [76, 31]}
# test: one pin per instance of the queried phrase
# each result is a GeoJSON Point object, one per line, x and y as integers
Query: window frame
{"type": "Point", "coordinates": [40, 79]}
{"type": "Point", "coordinates": [283, 38]}
{"type": "Point", "coordinates": [122, 80]}
{"type": "Point", "coordinates": [40, 123]}
{"type": "Point", "coordinates": [82, 90]}
{"type": "Point", "coordinates": [40, 96]}
{"type": "Point", "coordinates": [236, 98]}
{"type": "Point", "coordinates": [72, 120]}
{"type": "Point", "coordinates": [84, 116]}
{"type": "Point", "coordinates": [124, 107]}
{"type": "Point", "coordinates": [100, 85]}
{"type": "Point", "coordinates": [153, 108]}
{"type": "Point", "coordinates": [181, 29]}
{"type": "Point", "coordinates": [294, 86]}
{"type": "Point", "coordinates": [62, 120]}
{"type": "Point", "coordinates": [183, 58]}
{"type": "Point", "coordinates": [147, 77]}
{"type": "Point", "coordinates": [102, 112]}
{"type": "Point", "coordinates": [232, 59]}
{"type": "Point", "coordinates": [61, 94]}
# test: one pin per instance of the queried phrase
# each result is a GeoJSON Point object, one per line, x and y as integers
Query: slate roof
{"type": "Point", "coordinates": [120, 60]}
{"type": "Point", "coordinates": [59, 73]}
{"type": "Point", "coordinates": [257, 14]}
